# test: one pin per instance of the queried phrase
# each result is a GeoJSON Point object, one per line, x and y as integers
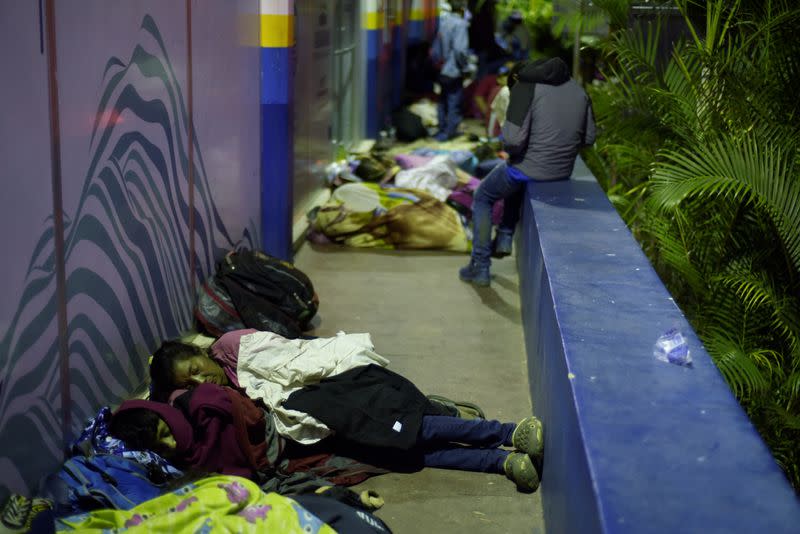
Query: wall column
{"type": "Point", "coordinates": [372, 20]}
{"type": "Point", "coordinates": [416, 22]}
{"type": "Point", "coordinates": [399, 33]}
{"type": "Point", "coordinates": [277, 132]}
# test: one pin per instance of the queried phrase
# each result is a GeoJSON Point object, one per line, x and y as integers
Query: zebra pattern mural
{"type": "Point", "coordinates": [145, 214]}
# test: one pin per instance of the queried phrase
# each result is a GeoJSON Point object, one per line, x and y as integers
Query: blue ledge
{"type": "Point", "coordinates": [633, 444]}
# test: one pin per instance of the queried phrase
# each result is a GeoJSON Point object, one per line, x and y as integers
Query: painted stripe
{"type": "Point", "coordinates": [416, 14]}
{"type": "Point", "coordinates": [277, 7]}
{"type": "Point", "coordinates": [373, 20]}
{"type": "Point", "coordinates": [190, 142]}
{"type": "Point", "coordinates": [277, 31]}
{"type": "Point", "coordinates": [58, 223]}
{"type": "Point", "coordinates": [277, 171]}
{"type": "Point", "coordinates": [398, 66]}
{"type": "Point", "coordinates": [374, 39]}
{"type": "Point", "coordinates": [416, 31]}
{"type": "Point", "coordinates": [277, 150]}
{"type": "Point", "coordinates": [276, 75]}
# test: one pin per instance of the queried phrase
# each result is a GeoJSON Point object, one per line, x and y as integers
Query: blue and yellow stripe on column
{"type": "Point", "coordinates": [277, 132]}
{"type": "Point", "coordinates": [372, 22]}
{"type": "Point", "coordinates": [398, 54]}
{"type": "Point", "coordinates": [416, 22]}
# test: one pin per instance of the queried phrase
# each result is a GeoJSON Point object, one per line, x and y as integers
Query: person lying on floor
{"type": "Point", "coordinates": [210, 428]}
{"type": "Point", "coordinates": [380, 417]}
{"type": "Point", "coordinates": [289, 363]}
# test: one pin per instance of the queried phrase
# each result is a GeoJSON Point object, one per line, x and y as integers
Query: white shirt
{"type": "Point", "coordinates": [272, 367]}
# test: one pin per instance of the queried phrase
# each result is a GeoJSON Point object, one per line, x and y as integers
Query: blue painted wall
{"type": "Point", "coordinates": [633, 444]}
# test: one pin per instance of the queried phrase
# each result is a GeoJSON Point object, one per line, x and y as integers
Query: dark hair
{"type": "Point", "coordinates": [484, 151]}
{"type": "Point", "coordinates": [458, 5]}
{"type": "Point", "coordinates": [137, 428]}
{"type": "Point", "coordinates": [162, 368]}
{"type": "Point", "coordinates": [372, 168]}
{"type": "Point", "coordinates": [514, 72]}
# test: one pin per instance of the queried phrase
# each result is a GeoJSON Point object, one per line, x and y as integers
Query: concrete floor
{"type": "Point", "coordinates": [449, 338]}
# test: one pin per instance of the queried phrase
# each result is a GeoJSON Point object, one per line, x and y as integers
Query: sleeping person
{"type": "Point", "coordinates": [325, 388]}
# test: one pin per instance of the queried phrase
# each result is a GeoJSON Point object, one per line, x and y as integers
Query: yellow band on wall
{"type": "Point", "coordinates": [373, 20]}
{"type": "Point", "coordinates": [417, 14]}
{"type": "Point", "coordinates": [277, 31]}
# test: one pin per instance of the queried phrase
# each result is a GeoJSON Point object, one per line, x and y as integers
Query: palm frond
{"type": "Point", "coordinates": [740, 371]}
{"type": "Point", "coordinates": [757, 291]}
{"type": "Point", "coordinates": [746, 171]}
{"type": "Point", "coordinates": [752, 288]}
{"type": "Point", "coordinates": [636, 51]}
{"type": "Point", "coordinates": [671, 236]}
{"type": "Point", "coordinates": [791, 387]}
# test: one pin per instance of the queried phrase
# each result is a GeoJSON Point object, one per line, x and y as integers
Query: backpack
{"type": "Point", "coordinates": [87, 483]}
{"type": "Point", "coordinates": [408, 125]}
{"type": "Point", "coordinates": [214, 309]}
{"type": "Point", "coordinates": [268, 293]}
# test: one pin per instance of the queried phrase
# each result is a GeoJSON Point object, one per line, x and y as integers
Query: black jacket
{"type": "Point", "coordinates": [367, 405]}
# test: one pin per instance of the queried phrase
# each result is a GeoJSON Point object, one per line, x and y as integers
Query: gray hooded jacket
{"type": "Point", "coordinates": [549, 119]}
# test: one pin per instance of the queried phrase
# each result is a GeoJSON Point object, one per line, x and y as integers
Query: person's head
{"type": "Point", "coordinates": [502, 73]}
{"type": "Point", "coordinates": [458, 6]}
{"type": "Point", "coordinates": [372, 169]}
{"type": "Point", "coordinates": [513, 73]}
{"type": "Point", "coordinates": [179, 365]}
{"type": "Point", "coordinates": [143, 429]}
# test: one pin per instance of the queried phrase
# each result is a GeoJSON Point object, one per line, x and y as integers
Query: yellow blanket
{"type": "Point", "coordinates": [214, 504]}
{"type": "Point", "coordinates": [397, 218]}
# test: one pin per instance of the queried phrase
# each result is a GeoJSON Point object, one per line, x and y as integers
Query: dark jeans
{"type": "Point", "coordinates": [497, 184]}
{"type": "Point", "coordinates": [450, 103]}
{"type": "Point", "coordinates": [479, 440]}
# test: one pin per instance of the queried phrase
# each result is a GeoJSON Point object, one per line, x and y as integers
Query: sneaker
{"type": "Point", "coordinates": [441, 137]}
{"type": "Point", "coordinates": [15, 512]}
{"type": "Point", "coordinates": [519, 468]}
{"type": "Point", "coordinates": [478, 276]}
{"type": "Point", "coordinates": [19, 512]}
{"type": "Point", "coordinates": [528, 438]}
{"type": "Point", "coordinates": [501, 246]}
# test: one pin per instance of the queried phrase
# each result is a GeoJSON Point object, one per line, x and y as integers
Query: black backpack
{"type": "Point", "coordinates": [214, 310]}
{"type": "Point", "coordinates": [408, 125]}
{"type": "Point", "coordinates": [268, 293]}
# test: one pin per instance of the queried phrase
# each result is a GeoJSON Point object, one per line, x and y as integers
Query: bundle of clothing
{"type": "Point", "coordinates": [418, 200]}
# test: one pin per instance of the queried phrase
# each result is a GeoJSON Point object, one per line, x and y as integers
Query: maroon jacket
{"type": "Point", "coordinates": [218, 430]}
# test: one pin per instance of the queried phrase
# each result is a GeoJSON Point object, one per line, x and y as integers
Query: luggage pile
{"type": "Point", "coordinates": [413, 197]}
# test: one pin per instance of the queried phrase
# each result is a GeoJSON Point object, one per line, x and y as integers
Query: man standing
{"type": "Point", "coordinates": [450, 49]}
{"type": "Point", "coordinates": [549, 119]}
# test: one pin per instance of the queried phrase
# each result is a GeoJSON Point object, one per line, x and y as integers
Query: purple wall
{"type": "Point", "coordinates": [29, 388]}
{"type": "Point", "coordinates": [149, 204]}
